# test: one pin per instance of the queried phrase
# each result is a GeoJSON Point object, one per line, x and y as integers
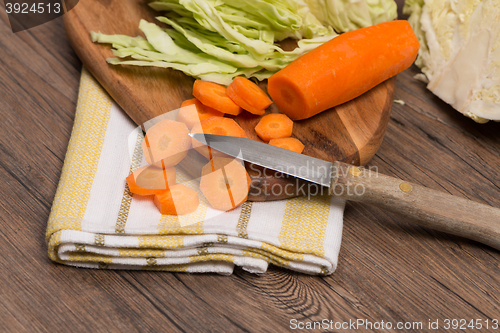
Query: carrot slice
{"type": "Point", "coordinates": [248, 95]}
{"type": "Point", "coordinates": [192, 111]}
{"type": "Point", "coordinates": [214, 95]}
{"type": "Point", "coordinates": [225, 183]}
{"type": "Point", "coordinates": [167, 140]}
{"type": "Point", "coordinates": [151, 179]}
{"type": "Point", "coordinates": [178, 200]}
{"type": "Point", "coordinates": [291, 144]}
{"type": "Point", "coordinates": [219, 126]}
{"type": "Point", "coordinates": [274, 126]}
{"type": "Point", "coordinates": [343, 68]}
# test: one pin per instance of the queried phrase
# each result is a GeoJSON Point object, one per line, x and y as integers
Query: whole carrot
{"type": "Point", "coordinates": [343, 68]}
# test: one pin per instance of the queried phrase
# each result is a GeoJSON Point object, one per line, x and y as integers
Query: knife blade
{"type": "Point", "coordinates": [430, 208]}
{"type": "Point", "coordinates": [298, 165]}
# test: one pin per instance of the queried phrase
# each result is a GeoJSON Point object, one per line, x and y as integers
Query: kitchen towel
{"type": "Point", "coordinates": [95, 222]}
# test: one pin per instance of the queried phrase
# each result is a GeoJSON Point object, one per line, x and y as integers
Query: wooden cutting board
{"type": "Point", "coordinates": [351, 132]}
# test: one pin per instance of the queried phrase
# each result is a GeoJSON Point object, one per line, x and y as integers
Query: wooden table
{"type": "Point", "coordinates": [389, 269]}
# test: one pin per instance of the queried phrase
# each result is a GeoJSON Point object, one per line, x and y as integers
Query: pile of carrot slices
{"type": "Point", "coordinates": [224, 180]}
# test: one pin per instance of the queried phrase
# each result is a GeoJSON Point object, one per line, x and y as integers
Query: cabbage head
{"type": "Point", "coordinates": [460, 53]}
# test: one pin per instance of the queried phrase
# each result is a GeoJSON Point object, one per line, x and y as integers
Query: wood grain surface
{"type": "Point", "coordinates": [351, 132]}
{"type": "Point", "coordinates": [389, 268]}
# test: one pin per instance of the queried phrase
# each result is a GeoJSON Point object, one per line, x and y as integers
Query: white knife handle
{"type": "Point", "coordinates": [430, 208]}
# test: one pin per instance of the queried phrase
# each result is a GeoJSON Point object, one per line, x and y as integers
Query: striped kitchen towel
{"type": "Point", "coordinates": [95, 222]}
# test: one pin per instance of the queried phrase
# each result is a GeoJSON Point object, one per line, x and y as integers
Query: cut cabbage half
{"type": "Point", "coordinates": [460, 53]}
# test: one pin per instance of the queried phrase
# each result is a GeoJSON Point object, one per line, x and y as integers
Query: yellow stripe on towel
{"type": "Point", "coordinates": [304, 225]}
{"type": "Point", "coordinates": [82, 157]}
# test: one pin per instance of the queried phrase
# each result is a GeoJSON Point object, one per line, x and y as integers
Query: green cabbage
{"type": "Point", "coordinates": [460, 53]}
{"type": "Point", "coordinates": [347, 15]}
{"type": "Point", "coordinates": [217, 40]}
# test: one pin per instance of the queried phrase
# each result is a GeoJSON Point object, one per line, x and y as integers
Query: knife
{"type": "Point", "coordinates": [430, 208]}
